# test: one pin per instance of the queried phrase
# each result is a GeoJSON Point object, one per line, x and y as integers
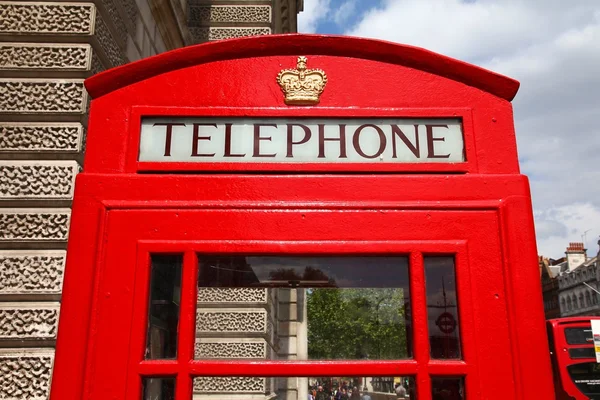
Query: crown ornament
{"type": "Point", "coordinates": [301, 86]}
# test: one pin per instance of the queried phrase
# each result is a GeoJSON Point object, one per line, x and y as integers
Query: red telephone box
{"type": "Point", "coordinates": [351, 208]}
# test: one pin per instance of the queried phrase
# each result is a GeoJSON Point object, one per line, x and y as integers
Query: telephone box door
{"type": "Point", "coordinates": [176, 285]}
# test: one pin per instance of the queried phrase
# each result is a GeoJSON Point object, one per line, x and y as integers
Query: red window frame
{"type": "Point", "coordinates": [134, 235]}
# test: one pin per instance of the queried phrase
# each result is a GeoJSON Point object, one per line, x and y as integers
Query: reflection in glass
{"type": "Point", "coordinates": [293, 388]}
{"type": "Point", "coordinates": [158, 389]}
{"type": "Point", "coordinates": [442, 308]}
{"type": "Point", "coordinates": [163, 310]}
{"type": "Point", "coordinates": [447, 389]}
{"type": "Point", "coordinates": [318, 307]}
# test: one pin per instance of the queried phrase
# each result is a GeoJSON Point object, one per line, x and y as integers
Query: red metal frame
{"type": "Point", "coordinates": [479, 210]}
{"type": "Point", "coordinates": [561, 359]}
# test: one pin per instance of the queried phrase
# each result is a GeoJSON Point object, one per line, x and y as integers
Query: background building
{"type": "Point", "coordinates": [570, 284]}
{"type": "Point", "coordinates": [47, 49]}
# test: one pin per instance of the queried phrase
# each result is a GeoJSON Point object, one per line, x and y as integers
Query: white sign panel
{"type": "Point", "coordinates": [596, 336]}
{"type": "Point", "coordinates": [201, 140]}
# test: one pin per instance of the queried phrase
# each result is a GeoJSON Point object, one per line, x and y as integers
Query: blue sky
{"type": "Point", "coordinates": [552, 47]}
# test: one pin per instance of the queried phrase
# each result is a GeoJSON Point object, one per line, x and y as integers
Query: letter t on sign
{"type": "Point", "coordinates": [169, 135]}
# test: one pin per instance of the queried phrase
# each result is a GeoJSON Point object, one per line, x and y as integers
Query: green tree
{"type": "Point", "coordinates": [356, 323]}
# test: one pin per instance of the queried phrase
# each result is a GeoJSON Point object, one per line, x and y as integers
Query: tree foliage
{"type": "Point", "coordinates": [356, 323]}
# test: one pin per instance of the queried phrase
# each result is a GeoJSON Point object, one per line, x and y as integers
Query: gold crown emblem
{"type": "Point", "coordinates": [302, 86]}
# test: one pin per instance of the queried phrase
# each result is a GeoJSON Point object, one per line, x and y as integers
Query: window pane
{"type": "Point", "coordinates": [442, 308]}
{"type": "Point", "coordinates": [585, 352]}
{"type": "Point", "coordinates": [293, 388]}
{"type": "Point", "coordinates": [163, 310]}
{"type": "Point", "coordinates": [299, 308]}
{"type": "Point", "coordinates": [579, 335]}
{"type": "Point", "coordinates": [447, 389]}
{"type": "Point", "coordinates": [586, 377]}
{"type": "Point", "coordinates": [158, 388]}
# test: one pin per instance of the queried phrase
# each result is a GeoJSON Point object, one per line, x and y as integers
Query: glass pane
{"type": "Point", "coordinates": [163, 310]}
{"type": "Point", "coordinates": [579, 335]}
{"type": "Point", "coordinates": [585, 352]}
{"type": "Point", "coordinates": [293, 388]}
{"type": "Point", "coordinates": [299, 308]}
{"type": "Point", "coordinates": [158, 388]}
{"type": "Point", "coordinates": [447, 389]}
{"type": "Point", "coordinates": [586, 376]}
{"type": "Point", "coordinates": [442, 307]}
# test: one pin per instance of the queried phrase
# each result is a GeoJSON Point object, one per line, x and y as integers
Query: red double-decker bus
{"type": "Point", "coordinates": [576, 370]}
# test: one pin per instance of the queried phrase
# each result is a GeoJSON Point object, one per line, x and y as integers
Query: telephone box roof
{"type": "Point", "coordinates": [301, 44]}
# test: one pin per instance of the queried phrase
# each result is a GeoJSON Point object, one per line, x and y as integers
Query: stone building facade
{"type": "Point", "coordinates": [578, 283]}
{"type": "Point", "coordinates": [47, 49]}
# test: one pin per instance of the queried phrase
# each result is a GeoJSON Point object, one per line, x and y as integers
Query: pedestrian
{"type": "Point", "coordinates": [355, 394]}
{"type": "Point", "coordinates": [400, 391]}
{"type": "Point", "coordinates": [321, 395]}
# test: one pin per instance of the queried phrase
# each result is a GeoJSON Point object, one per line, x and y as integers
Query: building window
{"type": "Point", "coordinates": [594, 298]}
{"type": "Point", "coordinates": [569, 304]}
{"type": "Point", "coordinates": [563, 305]}
{"type": "Point", "coordinates": [575, 305]}
{"type": "Point", "coordinates": [581, 303]}
{"type": "Point", "coordinates": [588, 300]}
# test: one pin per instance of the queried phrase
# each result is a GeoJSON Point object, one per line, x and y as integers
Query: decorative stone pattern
{"type": "Point", "coordinates": [46, 17]}
{"type": "Point", "coordinates": [97, 66]}
{"type": "Point", "coordinates": [27, 321]}
{"type": "Point", "coordinates": [42, 96]}
{"type": "Point", "coordinates": [34, 225]}
{"type": "Point", "coordinates": [228, 384]}
{"type": "Point", "coordinates": [231, 349]}
{"type": "Point", "coordinates": [40, 137]}
{"type": "Point", "coordinates": [31, 272]}
{"type": "Point", "coordinates": [44, 56]}
{"type": "Point", "coordinates": [37, 179]}
{"type": "Point", "coordinates": [231, 320]}
{"type": "Point", "coordinates": [204, 34]}
{"type": "Point", "coordinates": [205, 14]}
{"type": "Point", "coordinates": [115, 18]}
{"type": "Point", "coordinates": [108, 44]}
{"type": "Point", "coordinates": [131, 9]}
{"type": "Point", "coordinates": [232, 295]}
{"type": "Point", "coordinates": [25, 374]}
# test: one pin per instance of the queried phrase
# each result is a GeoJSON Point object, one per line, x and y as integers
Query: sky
{"type": "Point", "coordinates": [552, 47]}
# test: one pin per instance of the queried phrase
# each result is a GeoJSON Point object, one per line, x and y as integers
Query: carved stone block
{"type": "Point", "coordinates": [25, 373]}
{"type": "Point", "coordinates": [28, 321]}
{"type": "Point", "coordinates": [34, 224]}
{"type": "Point", "coordinates": [226, 384]}
{"type": "Point", "coordinates": [46, 17]}
{"type": "Point", "coordinates": [221, 320]}
{"type": "Point", "coordinates": [205, 34]}
{"type": "Point", "coordinates": [51, 180]}
{"type": "Point", "coordinates": [232, 295]}
{"type": "Point", "coordinates": [31, 272]}
{"type": "Point", "coordinates": [40, 137]}
{"type": "Point", "coordinates": [42, 96]}
{"type": "Point", "coordinates": [232, 348]}
{"type": "Point", "coordinates": [206, 14]}
{"type": "Point", "coordinates": [108, 44]}
{"type": "Point", "coordinates": [45, 56]}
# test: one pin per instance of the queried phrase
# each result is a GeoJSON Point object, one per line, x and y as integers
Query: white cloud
{"type": "Point", "coordinates": [557, 226]}
{"type": "Point", "coordinates": [553, 48]}
{"type": "Point", "coordinates": [344, 12]}
{"type": "Point", "coordinates": [314, 11]}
